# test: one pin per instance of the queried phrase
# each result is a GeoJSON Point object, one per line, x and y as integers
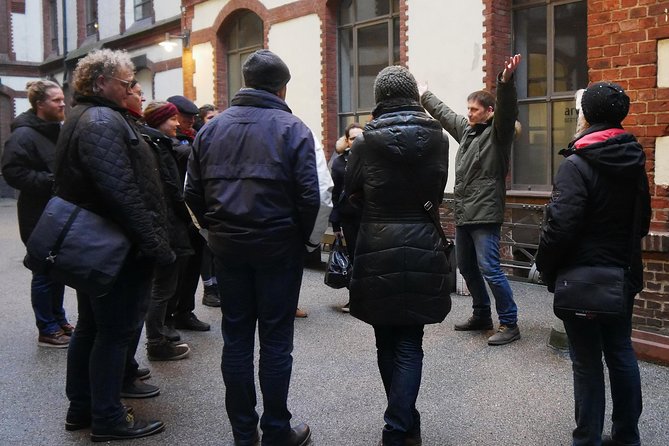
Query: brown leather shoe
{"type": "Point", "coordinates": [301, 313]}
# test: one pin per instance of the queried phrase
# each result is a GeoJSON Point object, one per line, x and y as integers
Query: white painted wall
{"type": "Point", "coordinates": [662, 161]}
{"type": "Point", "coordinates": [156, 53]}
{"type": "Point", "coordinates": [203, 78]}
{"type": "Point", "coordinates": [27, 34]}
{"type": "Point", "coordinates": [445, 48]}
{"type": "Point", "coordinates": [168, 83]}
{"type": "Point", "coordinates": [17, 83]}
{"type": "Point", "coordinates": [269, 4]}
{"type": "Point", "coordinates": [145, 79]}
{"type": "Point", "coordinates": [206, 13]}
{"type": "Point", "coordinates": [304, 89]}
{"type": "Point", "coordinates": [164, 9]}
{"type": "Point", "coordinates": [109, 18]}
{"type": "Point", "coordinates": [21, 105]}
{"type": "Point", "coordinates": [71, 15]}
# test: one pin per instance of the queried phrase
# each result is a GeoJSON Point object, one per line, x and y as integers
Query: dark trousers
{"type": "Point", "coordinates": [131, 365]}
{"type": "Point", "coordinates": [97, 353]}
{"type": "Point", "coordinates": [263, 292]}
{"type": "Point", "coordinates": [587, 340]}
{"type": "Point", "coordinates": [183, 301]}
{"type": "Point", "coordinates": [163, 288]}
{"type": "Point", "coordinates": [400, 358]}
{"type": "Point", "coordinates": [46, 297]}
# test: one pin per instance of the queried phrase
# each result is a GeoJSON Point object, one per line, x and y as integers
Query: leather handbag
{"type": "Point", "coordinates": [338, 268]}
{"type": "Point", "coordinates": [590, 292]}
{"type": "Point", "coordinates": [77, 247]}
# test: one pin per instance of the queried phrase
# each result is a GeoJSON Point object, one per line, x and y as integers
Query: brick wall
{"type": "Point", "coordinates": [496, 38]}
{"type": "Point", "coordinates": [622, 47]}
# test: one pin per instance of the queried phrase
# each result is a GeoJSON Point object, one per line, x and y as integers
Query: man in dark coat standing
{"type": "Point", "coordinates": [28, 165]}
{"type": "Point", "coordinates": [255, 181]}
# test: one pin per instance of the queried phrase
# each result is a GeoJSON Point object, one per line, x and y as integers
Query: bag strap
{"type": "Point", "coordinates": [51, 258]}
{"type": "Point", "coordinates": [431, 211]}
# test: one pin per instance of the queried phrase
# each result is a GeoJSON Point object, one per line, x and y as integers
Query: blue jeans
{"type": "Point", "coordinates": [266, 292]}
{"type": "Point", "coordinates": [587, 340]}
{"type": "Point", "coordinates": [47, 301]}
{"type": "Point", "coordinates": [97, 353]}
{"type": "Point", "coordinates": [399, 351]}
{"type": "Point", "coordinates": [477, 251]}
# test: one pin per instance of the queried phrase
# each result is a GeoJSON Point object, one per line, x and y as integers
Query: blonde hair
{"type": "Point", "coordinates": [104, 62]}
{"type": "Point", "coordinates": [37, 90]}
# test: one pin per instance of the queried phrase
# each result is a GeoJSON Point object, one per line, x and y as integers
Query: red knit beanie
{"type": "Point", "coordinates": [155, 117]}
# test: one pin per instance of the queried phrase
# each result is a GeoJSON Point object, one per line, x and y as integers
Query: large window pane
{"type": "Point", "coordinates": [346, 12]}
{"type": "Point", "coordinates": [570, 47]}
{"type": "Point", "coordinates": [564, 127]}
{"type": "Point", "coordinates": [346, 71]}
{"type": "Point", "coordinates": [530, 40]}
{"type": "Point", "coordinates": [530, 154]}
{"type": "Point", "coordinates": [250, 30]}
{"type": "Point", "coordinates": [369, 9]}
{"type": "Point", "coordinates": [372, 58]}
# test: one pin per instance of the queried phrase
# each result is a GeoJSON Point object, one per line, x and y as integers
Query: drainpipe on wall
{"type": "Point", "coordinates": [64, 2]}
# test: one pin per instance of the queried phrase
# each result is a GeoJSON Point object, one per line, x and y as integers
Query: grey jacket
{"type": "Point", "coordinates": [482, 160]}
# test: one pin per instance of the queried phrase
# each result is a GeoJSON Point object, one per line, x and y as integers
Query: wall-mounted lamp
{"type": "Point", "coordinates": [169, 44]}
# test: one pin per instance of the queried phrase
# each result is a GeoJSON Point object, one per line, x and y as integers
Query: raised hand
{"type": "Point", "coordinates": [422, 88]}
{"type": "Point", "coordinates": [510, 65]}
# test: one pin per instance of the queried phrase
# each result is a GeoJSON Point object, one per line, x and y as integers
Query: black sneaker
{"type": "Point", "coordinates": [475, 324]}
{"type": "Point", "coordinates": [164, 350]}
{"type": "Point", "coordinates": [505, 335]}
{"type": "Point", "coordinates": [139, 389]}
{"type": "Point", "coordinates": [127, 429]}
{"type": "Point", "coordinates": [210, 296]}
{"type": "Point", "coordinates": [189, 321]}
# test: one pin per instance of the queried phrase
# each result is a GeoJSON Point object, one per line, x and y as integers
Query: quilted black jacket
{"type": "Point", "coordinates": [399, 276]}
{"type": "Point", "coordinates": [28, 164]}
{"type": "Point", "coordinates": [104, 165]}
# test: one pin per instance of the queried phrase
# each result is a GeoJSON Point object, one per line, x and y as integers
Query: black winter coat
{"type": "Point", "coordinates": [28, 165]}
{"type": "Point", "coordinates": [178, 217]}
{"type": "Point", "coordinates": [597, 192]}
{"type": "Point", "coordinates": [343, 210]}
{"type": "Point", "coordinates": [400, 276]}
{"type": "Point", "coordinates": [104, 165]}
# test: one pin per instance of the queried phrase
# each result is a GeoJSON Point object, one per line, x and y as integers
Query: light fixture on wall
{"type": "Point", "coordinates": [168, 44]}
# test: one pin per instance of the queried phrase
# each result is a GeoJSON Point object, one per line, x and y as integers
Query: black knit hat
{"type": "Point", "coordinates": [184, 105]}
{"type": "Point", "coordinates": [264, 70]}
{"type": "Point", "coordinates": [605, 102]}
{"type": "Point", "coordinates": [395, 82]}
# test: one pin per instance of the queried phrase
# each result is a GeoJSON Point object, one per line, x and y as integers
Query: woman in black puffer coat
{"type": "Point", "coordinates": [400, 272]}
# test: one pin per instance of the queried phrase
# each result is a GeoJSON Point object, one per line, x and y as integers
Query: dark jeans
{"type": "Point", "coordinates": [477, 251]}
{"type": "Point", "coordinates": [266, 292]}
{"type": "Point", "coordinates": [399, 352]}
{"type": "Point", "coordinates": [97, 353]}
{"type": "Point", "coordinates": [47, 301]}
{"type": "Point", "coordinates": [183, 301]}
{"type": "Point", "coordinates": [587, 340]}
{"type": "Point", "coordinates": [131, 365]}
{"type": "Point", "coordinates": [163, 288]}
{"type": "Point", "coordinates": [207, 267]}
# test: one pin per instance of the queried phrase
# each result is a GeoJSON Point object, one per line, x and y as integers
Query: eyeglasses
{"type": "Point", "coordinates": [128, 84]}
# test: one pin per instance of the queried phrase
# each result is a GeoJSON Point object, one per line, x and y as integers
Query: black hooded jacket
{"type": "Point", "coordinates": [28, 165]}
{"type": "Point", "coordinates": [397, 164]}
{"type": "Point", "coordinates": [600, 207]}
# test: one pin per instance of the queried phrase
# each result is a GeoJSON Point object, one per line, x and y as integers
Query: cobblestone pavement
{"type": "Point", "coordinates": [472, 394]}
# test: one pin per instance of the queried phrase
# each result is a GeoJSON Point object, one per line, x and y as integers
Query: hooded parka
{"type": "Point", "coordinates": [399, 273]}
{"type": "Point", "coordinates": [28, 165]}
{"type": "Point", "coordinates": [600, 207]}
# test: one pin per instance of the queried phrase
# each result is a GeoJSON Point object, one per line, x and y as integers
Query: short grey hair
{"type": "Point", "coordinates": [104, 62]}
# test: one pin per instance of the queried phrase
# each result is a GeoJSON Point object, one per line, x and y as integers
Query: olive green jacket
{"type": "Point", "coordinates": [482, 160]}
